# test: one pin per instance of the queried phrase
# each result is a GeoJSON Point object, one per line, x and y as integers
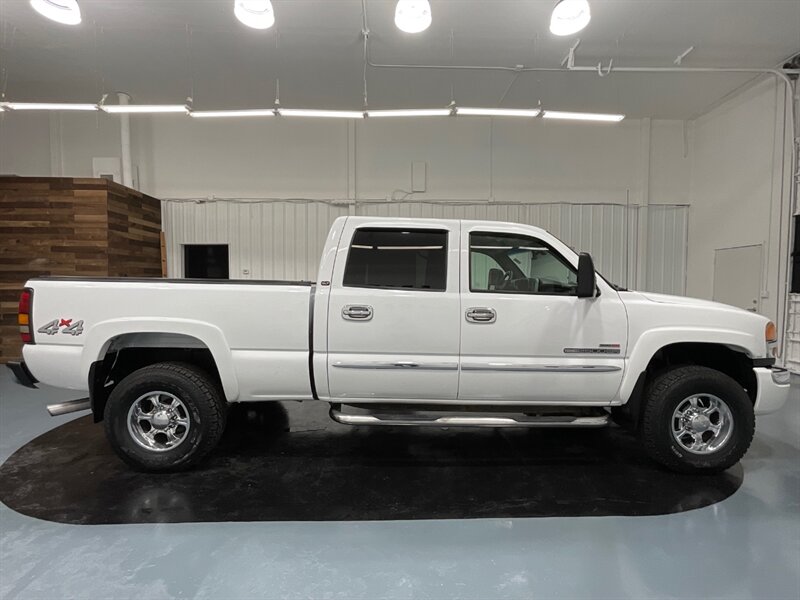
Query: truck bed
{"type": "Point", "coordinates": [261, 327]}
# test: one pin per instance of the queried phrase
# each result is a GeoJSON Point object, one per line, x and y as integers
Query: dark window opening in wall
{"type": "Point", "coordinates": [796, 257]}
{"type": "Point", "coordinates": [205, 261]}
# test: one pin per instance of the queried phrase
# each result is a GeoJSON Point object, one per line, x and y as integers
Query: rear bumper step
{"type": "Point", "coordinates": [465, 420]}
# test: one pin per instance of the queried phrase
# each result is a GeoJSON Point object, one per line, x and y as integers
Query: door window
{"type": "Point", "coordinates": [397, 258]}
{"type": "Point", "coordinates": [513, 264]}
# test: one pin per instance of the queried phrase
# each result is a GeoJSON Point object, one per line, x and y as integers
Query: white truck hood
{"type": "Point", "coordinates": [684, 301]}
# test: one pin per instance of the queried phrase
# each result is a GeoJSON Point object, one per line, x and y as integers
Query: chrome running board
{"type": "Point", "coordinates": [422, 420]}
{"type": "Point", "coordinates": [64, 408]}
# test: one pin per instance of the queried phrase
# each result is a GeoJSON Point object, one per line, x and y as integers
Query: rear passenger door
{"type": "Point", "coordinates": [394, 312]}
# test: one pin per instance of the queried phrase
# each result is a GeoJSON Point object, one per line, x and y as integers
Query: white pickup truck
{"type": "Point", "coordinates": [411, 322]}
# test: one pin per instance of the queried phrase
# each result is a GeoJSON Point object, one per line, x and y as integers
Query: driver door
{"type": "Point", "coordinates": [525, 335]}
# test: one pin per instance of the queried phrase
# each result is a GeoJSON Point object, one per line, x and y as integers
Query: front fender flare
{"type": "Point", "coordinates": [654, 340]}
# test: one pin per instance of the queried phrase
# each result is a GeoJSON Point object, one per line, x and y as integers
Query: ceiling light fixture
{"type": "Point", "coordinates": [570, 16]}
{"type": "Point", "coordinates": [257, 14]}
{"type": "Point", "coordinates": [412, 16]}
{"type": "Point", "coordinates": [498, 112]}
{"type": "Point", "coordinates": [143, 108]}
{"type": "Point", "coordinates": [334, 114]}
{"type": "Point", "coordinates": [46, 106]}
{"type": "Point", "coordinates": [62, 11]}
{"type": "Point", "coordinates": [201, 114]}
{"type": "Point", "coordinates": [579, 116]}
{"type": "Point", "coordinates": [422, 112]}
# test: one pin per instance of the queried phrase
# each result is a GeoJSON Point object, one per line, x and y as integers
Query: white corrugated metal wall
{"type": "Point", "coordinates": [793, 334]}
{"type": "Point", "coordinates": [284, 240]}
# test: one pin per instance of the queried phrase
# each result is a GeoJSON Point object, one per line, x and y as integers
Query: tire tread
{"type": "Point", "coordinates": [655, 394]}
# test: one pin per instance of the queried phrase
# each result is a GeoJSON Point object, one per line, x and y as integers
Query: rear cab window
{"type": "Point", "coordinates": [397, 258]}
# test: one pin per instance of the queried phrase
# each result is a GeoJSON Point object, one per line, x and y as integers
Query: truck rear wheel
{"type": "Point", "coordinates": [696, 420]}
{"type": "Point", "coordinates": [164, 417]}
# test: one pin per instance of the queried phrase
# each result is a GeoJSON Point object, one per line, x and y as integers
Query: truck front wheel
{"type": "Point", "coordinates": [696, 420]}
{"type": "Point", "coordinates": [164, 417]}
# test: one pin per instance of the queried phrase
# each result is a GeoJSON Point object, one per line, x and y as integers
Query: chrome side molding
{"type": "Point", "coordinates": [540, 368]}
{"type": "Point", "coordinates": [398, 364]}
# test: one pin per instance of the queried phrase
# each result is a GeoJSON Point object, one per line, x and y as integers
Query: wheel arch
{"type": "Point", "coordinates": [123, 346]}
{"type": "Point", "coordinates": [734, 361]}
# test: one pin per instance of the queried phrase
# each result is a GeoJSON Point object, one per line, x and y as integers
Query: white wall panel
{"type": "Point", "coordinates": [284, 240]}
{"type": "Point", "coordinates": [267, 240]}
{"type": "Point", "coordinates": [667, 238]}
{"type": "Point", "coordinates": [793, 334]}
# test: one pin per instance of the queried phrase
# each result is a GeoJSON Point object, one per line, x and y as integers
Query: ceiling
{"type": "Point", "coordinates": [164, 50]}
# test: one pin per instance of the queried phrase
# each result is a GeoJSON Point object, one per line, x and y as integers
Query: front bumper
{"type": "Point", "coordinates": [774, 386]}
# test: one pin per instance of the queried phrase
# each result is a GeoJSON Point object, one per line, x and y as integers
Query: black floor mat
{"type": "Point", "coordinates": [318, 470]}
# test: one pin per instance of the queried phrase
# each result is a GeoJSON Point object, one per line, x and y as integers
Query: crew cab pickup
{"type": "Point", "coordinates": [415, 322]}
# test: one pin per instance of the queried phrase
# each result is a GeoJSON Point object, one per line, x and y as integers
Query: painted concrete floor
{"type": "Point", "coordinates": [747, 546]}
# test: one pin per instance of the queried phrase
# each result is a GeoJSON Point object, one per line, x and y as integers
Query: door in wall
{"type": "Point", "coordinates": [205, 261]}
{"type": "Point", "coordinates": [737, 276]}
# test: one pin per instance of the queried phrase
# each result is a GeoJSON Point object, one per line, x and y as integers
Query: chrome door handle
{"type": "Point", "coordinates": [406, 364]}
{"type": "Point", "coordinates": [481, 315]}
{"type": "Point", "coordinates": [353, 312]}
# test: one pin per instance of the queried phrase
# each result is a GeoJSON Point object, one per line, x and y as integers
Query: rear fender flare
{"type": "Point", "coordinates": [100, 336]}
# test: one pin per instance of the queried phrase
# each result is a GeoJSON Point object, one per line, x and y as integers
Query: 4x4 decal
{"type": "Point", "coordinates": [69, 328]}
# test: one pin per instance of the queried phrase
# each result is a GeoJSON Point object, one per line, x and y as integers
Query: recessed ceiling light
{"type": "Point", "coordinates": [412, 16]}
{"type": "Point", "coordinates": [579, 116]}
{"type": "Point", "coordinates": [62, 11]}
{"type": "Point", "coordinates": [422, 112]}
{"type": "Point", "coordinates": [498, 112]}
{"type": "Point", "coordinates": [257, 14]}
{"type": "Point", "coordinates": [570, 16]}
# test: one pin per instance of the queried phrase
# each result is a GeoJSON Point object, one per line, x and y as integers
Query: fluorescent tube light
{"type": "Point", "coordinates": [66, 12]}
{"type": "Point", "coordinates": [412, 16]}
{"type": "Point", "coordinates": [570, 16]}
{"type": "Point", "coordinates": [580, 116]}
{"type": "Point", "coordinates": [422, 112]}
{"type": "Point", "coordinates": [498, 112]}
{"type": "Point", "coordinates": [144, 108]}
{"type": "Point", "coordinates": [202, 114]}
{"type": "Point", "coordinates": [257, 14]}
{"type": "Point", "coordinates": [47, 106]}
{"type": "Point", "coordinates": [334, 114]}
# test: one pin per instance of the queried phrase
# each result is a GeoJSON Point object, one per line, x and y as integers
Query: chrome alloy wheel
{"type": "Point", "coordinates": [702, 423]}
{"type": "Point", "coordinates": [158, 421]}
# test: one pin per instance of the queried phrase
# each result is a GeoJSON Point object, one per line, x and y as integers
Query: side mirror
{"type": "Point", "coordinates": [587, 284]}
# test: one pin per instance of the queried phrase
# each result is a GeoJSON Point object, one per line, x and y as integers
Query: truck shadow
{"type": "Point", "coordinates": [290, 462]}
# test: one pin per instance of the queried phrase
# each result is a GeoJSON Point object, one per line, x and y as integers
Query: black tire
{"type": "Point", "coordinates": [203, 405]}
{"type": "Point", "coordinates": [669, 390]}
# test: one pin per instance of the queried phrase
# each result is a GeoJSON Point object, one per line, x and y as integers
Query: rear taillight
{"type": "Point", "coordinates": [24, 317]}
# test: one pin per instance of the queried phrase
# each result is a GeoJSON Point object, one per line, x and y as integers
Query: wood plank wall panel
{"type": "Point", "coordinates": [134, 233]}
{"type": "Point", "coordinates": [69, 226]}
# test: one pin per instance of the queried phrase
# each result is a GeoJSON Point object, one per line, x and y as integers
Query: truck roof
{"type": "Point", "coordinates": [427, 221]}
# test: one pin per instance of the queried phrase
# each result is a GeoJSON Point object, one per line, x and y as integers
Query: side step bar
{"type": "Point", "coordinates": [417, 419]}
{"type": "Point", "coordinates": [63, 408]}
